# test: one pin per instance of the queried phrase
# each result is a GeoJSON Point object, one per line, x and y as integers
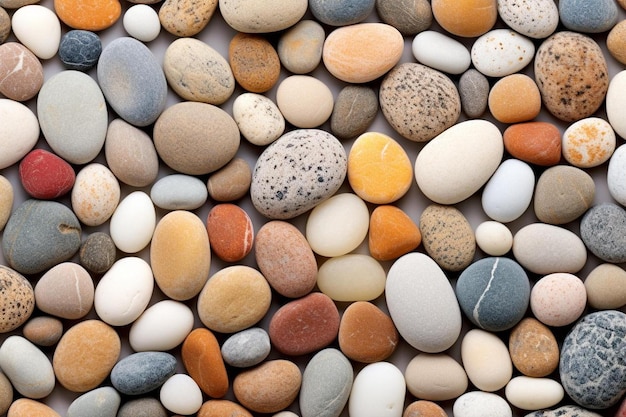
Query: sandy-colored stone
{"type": "Point", "coordinates": [231, 232]}
{"type": "Point", "coordinates": [533, 348]}
{"type": "Point", "coordinates": [91, 15]}
{"type": "Point", "coordinates": [21, 72]}
{"type": "Point", "coordinates": [66, 291]}
{"type": "Point", "coordinates": [95, 195]}
{"type": "Point", "coordinates": [221, 408]}
{"type": "Point", "coordinates": [304, 100]}
{"type": "Point", "coordinates": [537, 143]}
{"type": "Point", "coordinates": [435, 377]}
{"type": "Point", "coordinates": [392, 233]}
{"type": "Point", "coordinates": [254, 62]}
{"type": "Point", "coordinates": [606, 287]}
{"type": "Point", "coordinates": [616, 42]}
{"type": "Point", "coordinates": [231, 182]}
{"type": "Point", "coordinates": [43, 330]}
{"type": "Point", "coordinates": [25, 407]}
{"type": "Point", "coordinates": [203, 361]}
{"type": "Point", "coordinates": [424, 408]}
{"type": "Point", "coordinates": [467, 18]}
{"type": "Point", "coordinates": [6, 201]}
{"type": "Point", "coordinates": [17, 299]}
{"type": "Point", "coordinates": [514, 99]}
{"type": "Point", "coordinates": [6, 393]}
{"type": "Point", "coordinates": [186, 17]}
{"type": "Point", "coordinates": [589, 142]}
{"type": "Point", "coordinates": [300, 47]}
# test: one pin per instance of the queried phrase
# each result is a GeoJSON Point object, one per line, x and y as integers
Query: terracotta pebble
{"type": "Point", "coordinates": [25, 407]}
{"type": "Point", "coordinates": [17, 297]}
{"type": "Point", "coordinates": [424, 408]}
{"type": "Point", "coordinates": [231, 182]}
{"type": "Point", "coordinates": [533, 348]}
{"type": "Point", "coordinates": [538, 143]}
{"type": "Point", "coordinates": [186, 17]}
{"type": "Point", "coordinates": [216, 408]}
{"type": "Point", "coordinates": [46, 176]}
{"type": "Point", "coordinates": [93, 15]}
{"type": "Point", "coordinates": [466, 18]}
{"type": "Point", "coordinates": [616, 42]}
{"type": "Point", "coordinates": [203, 361]}
{"type": "Point", "coordinates": [254, 62]}
{"type": "Point", "coordinates": [6, 201]}
{"type": "Point", "coordinates": [43, 330]}
{"type": "Point", "coordinates": [231, 232]}
{"type": "Point", "coordinates": [392, 233]}
{"type": "Point", "coordinates": [514, 98]}
{"type": "Point", "coordinates": [606, 287]}
{"type": "Point", "coordinates": [66, 291]}
{"type": "Point", "coordinates": [21, 72]}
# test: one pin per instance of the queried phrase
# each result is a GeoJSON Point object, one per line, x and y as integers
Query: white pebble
{"type": "Point", "coordinates": [509, 191]}
{"type": "Point", "coordinates": [27, 367]}
{"type": "Point", "coordinates": [133, 222]}
{"type": "Point", "coordinates": [588, 142]}
{"type": "Point", "coordinates": [486, 360]}
{"type": "Point", "coordinates": [162, 327]}
{"type": "Point", "coordinates": [19, 131]}
{"type": "Point", "coordinates": [38, 28]}
{"type": "Point", "coordinates": [533, 393]}
{"type": "Point", "coordinates": [441, 52]}
{"type": "Point", "coordinates": [352, 277]}
{"type": "Point", "coordinates": [616, 175]}
{"type": "Point", "coordinates": [481, 404]}
{"type": "Point", "coordinates": [502, 52]}
{"type": "Point", "coordinates": [378, 390]}
{"type": "Point", "coordinates": [258, 118]}
{"type": "Point", "coordinates": [616, 103]}
{"type": "Point", "coordinates": [142, 22]}
{"type": "Point", "coordinates": [95, 195]}
{"type": "Point", "coordinates": [180, 394]}
{"type": "Point", "coordinates": [494, 238]}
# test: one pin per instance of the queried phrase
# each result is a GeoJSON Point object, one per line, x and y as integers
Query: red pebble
{"type": "Point", "coordinates": [231, 233]}
{"type": "Point", "coordinates": [46, 176]}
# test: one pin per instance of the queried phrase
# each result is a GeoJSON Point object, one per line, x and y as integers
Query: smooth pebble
{"type": "Point", "coordinates": [6, 202]}
{"type": "Point", "coordinates": [180, 394]}
{"type": "Point", "coordinates": [142, 407]}
{"type": "Point", "coordinates": [494, 238]}
{"type": "Point", "coordinates": [19, 133]}
{"type": "Point", "coordinates": [95, 195]}
{"type": "Point", "coordinates": [259, 119]}
{"type": "Point", "coordinates": [6, 393]}
{"type": "Point", "coordinates": [563, 193]}
{"type": "Point", "coordinates": [536, 19]}
{"type": "Point", "coordinates": [474, 93]}
{"type": "Point", "coordinates": [254, 62]}
{"type": "Point", "coordinates": [5, 27]}
{"type": "Point", "coordinates": [486, 360]}
{"type": "Point", "coordinates": [46, 176]}
{"type": "Point", "coordinates": [203, 361]}
{"type": "Point", "coordinates": [558, 299]}
{"type": "Point", "coordinates": [435, 377]}
{"type": "Point", "coordinates": [304, 101]}
{"type": "Point", "coordinates": [408, 16]}
{"type": "Point", "coordinates": [481, 404]}
{"type": "Point", "coordinates": [17, 296]}
{"type": "Point", "coordinates": [615, 102]}
{"type": "Point", "coordinates": [259, 16]}
{"type": "Point", "coordinates": [43, 42]}
{"type": "Point", "coordinates": [161, 327]}
{"type": "Point", "coordinates": [533, 348]}
{"type": "Point", "coordinates": [351, 277]}
{"type": "Point", "coordinates": [300, 47]}
{"type": "Point", "coordinates": [602, 231]}
{"type": "Point", "coordinates": [80, 50]}
{"type": "Point", "coordinates": [142, 22]}
{"type": "Point", "coordinates": [355, 109]}
{"type": "Point", "coordinates": [392, 233]}
{"type": "Point", "coordinates": [616, 175]}
{"type": "Point", "coordinates": [616, 42]}
{"type": "Point", "coordinates": [246, 348]}
{"type": "Point", "coordinates": [185, 18]}
{"type": "Point", "coordinates": [466, 18]}
{"type": "Point", "coordinates": [441, 52]}
{"type": "Point", "coordinates": [89, 16]}
{"type": "Point", "coordinates": [66, 290]}
{"type": "Point", "coordinates": [231, 232]}
{"type": "Point", "coordinates": [589, 142]}
{"type": "Point", "coordinates": [378, 389]}
{"type": "Point", "coordinates": [580, 16]}
{"type": "Point", "coordinates": [43, 330]}
{"type": "Point", "coordinates": [514, 98]}
{"type": "Point", "coordinates": [231, 182]}
{"type": "Point", "coordinates": [502, 52]}
{"type": "Point", "coordinates": [23, 407]}
{"type": "Point", "coordinates": [21, 72]}
{"type": "Point", "coordinates": [27, 367]}
{"type": "Point", "coordinates": [605, 287]}
{"type": "Point", "coordinates": [537, 143]}
{"type": "Point", "coordinates": [179, 192]}
{"type": "Point", "coordinates": [509, 191]}
{"type": "Point", "coordinates": [103, 402]}
{"type": "Point", "coordinates": [341, 12]}
{"type": "Point", "coordinates": [133, 222]}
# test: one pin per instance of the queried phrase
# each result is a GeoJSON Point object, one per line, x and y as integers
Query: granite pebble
{"type": "Point", "coordinates": [533, 348]}
{"type": "Point", "coordinates": [378, 389]}
{"type": "Point", "coordinates": [588, 142]}
{"type": "Point", "coordinates": [66, 290]}
{"type": "Point", "coordinates": [161, 327]}
{"type": "Point", "coordinates": [18, 298]}
{"type": "Point", "coordinates": [27, 367]}
{"type": "Point", "coordinates": [558, 299]}
{"type": "Point", "coordinates": [43, 330]}
{"type": "Point", "coordinates": [305, 101]}
{"type": "Point", "coordinates": [602, 231]}
{"type": "Point", "coordinates": [179, 192]}
{"type": "Point", "coordinates": [101, 402]}
{"type": "Point", "coordinates": [580, 16]}
{"type": "Point", "coordinates": [536, 19]}
{"type": "Point", "coordinates": [133, 222]}
{"type": "Point", "coordinates": [563, 194]}
{"type": "Point", "coordinates": [605, 287]}
{"type": "Point", "coordinates": [80, 50]}
{"type": "Point", "coordinates": [467, 18]}
{"type": "Point", "coordinates": [538, 142]}
{"type": "Point", "coordinates": [410, 17]}
{"type": "Point", "coordinates": [486, 360]}
{"type": "Point", "coordinates": [231, 182]}
{"type": "Point", "coordinates": [186, 18]}
{"type": "Point", "coordinates": [571, 410]}
{"type": "Point", "coordinates": [300, 47]}
{"type": "Point", "coordinates": [95, 195]}
{"type": "Point", "coordinates": [231, 232]}
{"type": "Point", "coordinates": [259, 119]}
{"type": "Point", "coordinates": [259, 16]}
{"type": "Point", "coordinates": [21, 72]}
{"type": "Point", "coordinates": [46, 176]}
{"type": "Point", "coordinates": [246, 348]}
{"type": "Point", "coordinates": [355, 109]}
{"type": "Point", "coordinates": [474, 93]}
{"type": "Point", "coordinates": [509, 192]}
{"type": "Point", "coordinates": [254, 61]}
{"type": "Point", "coordinates": [20, 132]}
{"type": "Point", "coordinates": [142, 372]}
{"type": "Point", "coordinates": [435, 377]}
{"type": "Point", "coordinates": [44, 42]}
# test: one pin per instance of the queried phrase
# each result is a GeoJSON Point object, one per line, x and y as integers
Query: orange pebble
{"type": "Point", "coordinates": [392, 233]}
{"type": "Point", "coordinates": [423, 408]}
{"type": "Point", "coordinates": [467, 18]}
{"type": "Point", "coordinates": [231, 232]}
{"type": "Point", "coordinates": [514, 99]}
{"type": "Point", "coordinates": [203, 361]}
{"type": "Point", "coordinates": [88, 14]}
{"type": "Point", "coordinates": [379, 170]}
{"type": "Point", "coordinates": [254, 62]}
{"type": "Point", "coordinates": [537, 143]}
{"type": "Point", "coordinates": [220, 408]}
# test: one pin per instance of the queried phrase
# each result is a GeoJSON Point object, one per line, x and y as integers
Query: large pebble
{"type": "Point", "coordinates": [378, 389]}
{"type": "Point", "coordinates": [21, 72]}
{"type": "Point", "coordinates": [133, 223]}
{"type": "Point", "coordinates": [442, 165]}
{"type": "Point", "coordinates": [558, 299]}
{"type": "Point", "coordinates": [351, 277]}
{"type": "Point", "coordinates": [260, 16]}
{"type": "Point", "coordinates": [132, 81]}
{"type": "Point", "coordinates": [19, 132]}
{"type": "Point", "coordinates": [615, 102]}
{"type": "Point", "coordinates": [231, 182]}
{"type": "Point", "coordinates": [66, 291]}
{"type": "Point", "coordinates": [356, 107]}
{"type": "Point", "coordinates": [161, 327]}
{"type": "Point", "coordinates": [392, 233]}
{"type": "Point", "coordinates": [186, 18]}
{"type": "Point", "coordinates": [565, 411]}
{"type": "Point", "coordinates": [474, 93]}
{"type": "Point", "coordinates": [481, 404]}
{"type": "Point", "coordinates": [85, 355]}
{"type": "Point", "coordinates": [305, 101]}
{"type": "Point", "coordinates": [581, 16]}
{"type": "Point", "coordinates": [341, 12]}
{"type": "Point", "coordinates": [43, 42]}
{"type": "Point", "coordinates": [27, 367]}
{"type": "Point", "coordinates": [544, 248]}
{"type": "Point", "coordinates": [440, 52]}
{"type": "Point", "coordinates": [25, 407]}
{"type": "Point", "coordinates": [509, 191]}
{"type": "Point", "coordinates": [422, 303]}
{"type": "Point", "coordinates": [231, 233]}
{"type": "Point", "coordinates": [616, 42]}
{"type": "Point", "coordinates": [95, 195]}
{"type": "Point", "coordinates": [43, 331]}
{"type": "Point", "coordinates": [616, 175]}
{"type": "Point", "coordinates": [103, 401]}
{"type": "Point", "coordinates": [298, 171]}
{"type": "Point", "coordinates": [408, 16]}
{"type": "Point", "coordinates": [537, 143]}
{"type": "Point", "coordinates": [574, 85]}
{"type": "Point", "coordinates": [39, 235]}
{"type": "Point", "coordinates": [80, 50]}
{"type": "Point", "coordinates": [486, 360]}
{"type": "Point", "coordinates": [5, 27]}
{"type": "Point", "coordinates": [89, 16]}
{"type": "Point", "coordinates": [435, 377]}
{"type": "Point", "coordinates": [17, 297]}
{"type": "Point", "coordinates": [182, 142]}
{"type": "Point", "coordinates": [589, 142]}
{"type": "Point", "coordinates": [602, 229]}
{"type": "Point", "coordinates": [6, 202]}
{"type": "Point", "coordinates": [180, 394]}
{"type": "Point", "coordinates": [362, 52]}
{"type": "Point", "coordinates": [536, 19]}
{"type": "Point", "coordinates": [419, 102]}
{"type": "Point", "coordinates": [6, 393]}
{"type": "Point", "coordinates": [254, 62]}
{"type": "Point", "coordinates": [563, 194]}
{"type": "Point", "coordinates": [45, 176]}
{"type": "Point", "coordinates": [606, 287]}
{"type": "Point", "coordinates": [466, 18]}
{"type": "Point", "coordinates": [591, 369]}
{"type": "Point", "coordinates": [502, 52]}
{"type": "Point", "coordinates": [246, 348]}
{"type": "Point", "coordinates": [300, 47]}
{"type": "Point", "coordinates": [179, 192]}
{"type": "Point", "coordinates": [258, 118]}
{"type": "Point", "coordinates": [203, 361]}
{"type": "Point", "coordinates": [514, 98]}
{"type": "Point", "coordinates": [533, 348]}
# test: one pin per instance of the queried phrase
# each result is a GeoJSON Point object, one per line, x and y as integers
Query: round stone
{"type": "Point", "coordinates": [258, 118]}
{"type": "Point", "coordinates": [537, 143]}
{"type": "Point", "coordinates": [494, 238]}
{"type": "Point", "coordinates": [558, 299]}
{"type": "Point", "coordinates": [133, 222]}
{"type": "Point", "coordinates": [580, 16]}
{"type": "Point", "coordinates": [355, 109]}
{"type": "Point", "coordinates": [502, 52]}
{"type": "Point", "coordinates": [203, 361]}
{"type": "Point", "coordinates": [474, 93]}
{"type": "Point", "coordinates": [43, 330]}
{"type": "Point", "coordinates": [246, 348]}
{"type": "Point", "coordinates": [19, 298]}
{"type": "Point", "coordinates": [231, 232]}
{"type": "Point", "coordinates": [605, 289]}
{"type": "Point", "coordinates": [254, 62]}
{"type": "Point", "coordinates": [408, 16]}
{"type": "Point", "coordinates": [95, 195]}
{"type": "Point", "coordinates": [161, 327]}
{"type": "Point", "coordinates": [80, 50]}
{"type": "Point", "coordinates": [90, 16]}
{"type": "Point", "coordinates": [435, 377]}
{"type": "Point", "coordinates": [533, 347]}
{"type": "Point", "coordinates": [536, 19]}
{"type": "Point", "coordinates": [514, 98]}
{"type": "Point", "coordinates": [66, 291]}
{"type": "Point", "coordinates": [260, 16]}
{"type": "Point", "coordinates": [466, 18]}
{"type": "Point", "coordinates": [563, 194]}
{"type": "Point", "coordinates": [300, 47]}
{"type": "Point", "coordinates": [142, 22]}
{"type": "Point", "coordinates": [304, 101]}
{"type": "Point", "coordinates": [21, 72]}
{"type": "Point", "coordinates": [589, 142]}
{"type": "Point", "coordinates": [45, 176]}
{"type": "Point", "coordinates": [231, 182]}
{"type": "Point", "coordinates": [602, 231]}
{"type": "Point", "coordinates": [180, 394]}
{"type": "Point", "coordinates": [392, 233]}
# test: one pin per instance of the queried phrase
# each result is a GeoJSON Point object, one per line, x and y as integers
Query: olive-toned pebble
{"type": "Point", "coordinates": [97, 253]}
{"type": "Point", "coordinates": [186, 17]}
{"type": "Point", "coordinates": [6, 393]}
{"type": "Point", "coordinates": [254, 62]}
{"type": "Point", "coordinates": [410, 17]}
{"type": "Point", "coordinates": [43, 330]}
{"type": "Point", "coordinates": [231, 182]}
{"type": "Point", "coordinates": [533, 348]}
{"type": "Point", "coordinates": [17, 299]}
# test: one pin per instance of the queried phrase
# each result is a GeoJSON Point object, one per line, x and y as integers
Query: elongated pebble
{"type": "Point", "coordinates": [27, 367]}
{"type": "Point", "coordinates": [499, 201]}
{"type": "Point", "coordinates": [441, 52]}
{"type": "Point", "coordinates": [486, 360]}
{"type": "Point", "coordinates": [90, 16]}
{"type": "Point", "coordinates": [43, 330]}
{"type": "Point", "coordinates": [203, 361]}
{"type": "Point", "coordinates": [212, 408]}
{"type": "Point", "coordinates": [481, 404]}
{"type": "Point", "coordinates": [179, 192]}
{"type": "Point", "coordinates": [537, 143]}
{"type": "Point", "coordinates": [43, 42]}
{"type": "Point", "coordinates": [5, 26]}
{"type": "Point", "coordinates": [254, 62]}
{"type": "Point", "coordinates": [351, 277]}
{"type": "Point", "coordinates": [133, 222]}
{"type": "Point", "coordinates": [6, 202]}
{"type": "Point", "coordinates": [161, 327]}
{"type": "Point", "coordinates": [502, 52]}
{"type": "Point", "coordinates": [6, 393]}
{"type": "Point", "coordinates": [379, 388]}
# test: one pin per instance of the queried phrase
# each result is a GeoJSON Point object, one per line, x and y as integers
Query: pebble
{"type": "Point", "coordinates": [304, 101]}
{"type": "Point", "coordinates": [73, 116]}
{"type": "Point", "coordinates": [615, 42]}
{"type": "Point", "coordinates": [142, 407]}
{"type": "Point", "coordinates": [133, 223]}
{"type": "Point", "coordinates": [544, 248]}
{"type": "Point", "coordinates": [565, 411]}
{"type": "Point", "coordinates": [17, 297]}
{"type": "Point", "coordinates": [15, 4]}
{"type": "Point", "coordinates": [408, 16]}
{"type": "Point", "coordinates": [441, 52]}
{"type": "Point", "coordinates": [142, 22]}
{"type": "Point", "coordinates": [246, 348]}
{"type": "Point", "coordinates": [486, 360]}
{"type": "Point", "coordinates": [574, 86]}
{"type": "Point", "coordinates": [6, 393]}
{"type": "Point", "coordinates": [161, 327]}
{"type": "Point", "coordinates": [615, 102]}
{"type": "Point", "coordinates": [605, 287]}
{"type": "Point", "coordinates": [580, 16]}
{"type": "Point", "coordinates": [203, 361]}
{"type": "Point", "coordinates": [379, 169]}
{"type": "Point", "coordinates": [419, 102]}
{"type": "Point", "coordinates": [602, 231]}
{"type": "Point", "coordinates": [231, 232]}
{"type": "Point", "coordinates": [378, 389]}
{"type": "Point", "coordinates": [270, 387]}
{"type": "Point", "coordinates": [514, 98]}
{"type": "Point", "coordinates": [6, 202]}
{"type": "Point", "coordinates": [616, 173]}
{"type": "Point", "coordinates": [27, 367]}
{"type": "Point", "coordinates": [258, 16]}
{"type": "Point", "coordinates": [494, 238]}
{"type": "Point", "coordinates": [258, 118]}
{"type": "Point", "coordinates": [442, 165]}
{"type": "Point", "coordinates": [45, 176]}
{"type": "Point", "coordinates": [21, 72]}
{"type": "Point", "coordinates": [466, 18]}
{"type": "Point", "coordinates": [186, 18]}
{"type": "Point", "coordinates": [326, 384]}
{"type": "Point", "coordinates": [422, 303]}
{"type": "Point", "coordinates": [95, 195]}
{"type": "Point", "coordinates": [536, 19]}
{"type": "Point", "coordinates": [5, 28]}
{"type": "Point", "coordinates": [424, 408]}
{"type": "Point", "coordinates": [355, 109]}
{"type": "Point", "coordinates": [351, 277]}
{"type": "Point", "coordinates": [103, 401]}
{"type": "Point", "coordinates": [24, 407]}
{"type": "Point", "coordinates": [302, 159]}
{"type": "Point", "coordinates": [509, 191]}
{"type": "Point", "coordinates": [590, 367]}
{"type": "Point", "coordinates": [179, 192]}
{"type": "Point", "coordinates": [254, 61]}
{"type": "Point", "coordinates": [66, 291]}
{"type": "Point", "coordinates": [19, 132]}
{"type": "Point", "coordinates": [338, 225]}
{"type": "Point", "coordinates": [94, 16]}
{"type": "Point", "coordinates": [39, 235]}
{"type": "Point", "coordinates": [392, 233]}
{"type": "Point", "coordinates": [588, 142]}
{"type": "Point", "coordinates": [502, 52]}
{"type": "Point", "coordinates": [563, 194]}
{"type": "Point", "coordinates": [80, 50]}
{"type": "Point", "coordinates": [366, 333]}
{"type": "Point", "coordinates": [132, 81]}
{"type": "Point", "coordinates": [538, 143]}
{"type": "Point", "coordinates": [493, 293]}
{"type": "Point", "coordinates": [558, 299]}
{"type": "Point", "coordinates": [483, 404]}
{"type": "Point", "coordinates": [231, 182]}
{"type": "Point", "coordinates": [181, 139]}
{"type": "Point", "coordinates": [533, 348]}
{"type": "Point", "coordinates": [285, 259]}
{"type": "Point", "coordinates": [435, 377]}
{"type": "Point", "coordinates": [341, 12]}
{"type": "Point", "coordinates": [474, 93]}
{"type": "Point", "coordinates": [447, 237]}
{"type": "Point", "coordinates": [43, 42]}
{"type": "Point", "coordinates": [533, 393]}
{"type": "Point", "coordinates": [362, 52]}
{"type": "Point", "coordinates": [213, 408]}
{"type": "Point", "coordinates": [233, 299]}
{"type": "Point", "coordinates": [130, 154]}
{"type": "Point", "coordinates": [181, 395]}
{"type": "Point", "coordinates": [197, 72]}
{"type": "Point", "coordinates": [43, 331]}
{"type": "Point", "coordinates": [300, 47]}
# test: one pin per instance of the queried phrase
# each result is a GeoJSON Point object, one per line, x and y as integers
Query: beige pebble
{"type": "Point", "coordinates": [304, 101]}
{"type": "Point", "coordinates": [5, 25]}
{"type": "Point", "coordinates": [6, 393]}
{"type": "Point", "coordinates": [43, 330]}
{"type": "Point", "coordinates": [606, 287]}
{"type": "Point", "coordinates": [558, 299]}
{"type": "Point", "coordinates": [231, 182]}
{"type": "Point", "coordinates": [17, 299]}
{"type": "Point", "coordinates": [95, 195]}
{"type": "Point", "coordinates": [435, 377]}
{"type": "Point", "coordinates": [66, 291]}
{"type": "Point", "coordinates": [186, 17]}
{"type": "Point", "coordinates": [6, 201]}
{"type": "Point", "coordinates": [616, 42]}
{"type": "Point", "coordinates": [25, 407]}
{"type": "Point", "coordinates": [533, 348]}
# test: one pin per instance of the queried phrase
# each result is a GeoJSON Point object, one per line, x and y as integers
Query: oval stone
{"type": "Point", "coordinates": [203, 361]}
{"type": "Point", "coordinates": [509, 191]}
{"type": "Point", "coordinates": [95, 195]}
{"type": "Point", "coordinates": [435, 377]}
{"type": "Point", "coordinates": [486, 360]}
{"type": "Point", "coordinates": [179, 192]}
{"type": "Point", "coordinates": [474, 93]}
{"type": "Point", "coordinates": [514, 98]}
{"type": "Point", "coordinates": [23, 407]}
{"type": "Point", "coordinates": [17, 297]}
{"type": "Point", "coordinates": [80, 50]}
{"type": "Point", "coordinates": [494, 238]}
{"type": "Point", "coordinates": [231, 182]}
{"type": "Point", "coordinates": [558, 299]}
{"type": "Point", "coordinates": [258, 118]}
{"type": "Point", "coordinates": [212, 408]}
{"type": "Point", "coordinates": [43, 42]}
{"type": "Point", "coordinates": [578, 16]}
{"type": "Point", "coordinates": [602, 230]}
{"type": "Point", "coordinates": [254, 62]}
{"type": "Point", "coordinates": [424, 408]}
{"type": "Point", "coordinates": [466, 18]}
{"type": "Point", "coordinates": [351, 277]}
{"type": "Point", "coordinates": [261, 16]}
{"type": "Point", "coordinates": [356, 107]}
{"type": "Point", "coordinates": [102, 401]}
{"type": "Point", "coordinates": [341, 12]}
{"type": "Point", "coordinates": [563, 194]}
{"type": "Point", "coordinates": [133, 222]}
{"type": "Point", "coordinates": [246, 348]}
{"type": "Point", "coordinates": [502, 52]}
{"type": "Point", "coordinates": [27, 367]}
{"type": "Point", "coordinates": [305, 101]}
{"type": "Point", "coordinates": [181, 395]}
{"type": "Point", "coordinates": [162, 326]}
{"type": "Point", "coordinates": [231, 232]}
{"type": "Point", "coordinates": [536, 19]}
{"type": "Point", "coordinates": [479, 403]}
{"type": "Point", "coordinates": [615, 102]}
{"type": "Point", "coordinates": [440, 52]}
{"type": "Point", "coordinates": [616, 43]}
{"type": "Point", "coordinates": [142, 22]}
{"type": "Point", "coordinates": [537, 143]}
{"type": "Point", "coordinates": [300, 47]}
{"type": "Point", "coordinates": [90, 16]}
{"type": "Point", "coordinates": [46, 176]}
{"type": "Point", "coordinates": [326, 384]}
{"type": "Point", "coordinates": [616, 175]}
{"type": "Point", "coordinates": [66, 291]}
{"type": "Point", "coordinates": [19, 132]}
{"type": "Point", "coordinates": [533, 393]}
{"type": "Point", "coordinates": [533, 348]}
{"type": "Point", "coordinates": [186, 18]}
{"type": "Point", "coordinates": [378, 389]}
{"type": "Point", "coordinates": [21, 73]}
{"type": "Point", "coordinates": [43, 331]}
{"type": "Point", "coordinates": [605, 287]}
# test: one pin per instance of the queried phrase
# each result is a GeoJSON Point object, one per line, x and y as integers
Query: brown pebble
{"type": "Point", "coordinates": [97, 253]}
{"type": "Point", "coordinates": [537, 143]}
{"type": "Point", "coordinates": [25, 407]}
{"type": "Point", "coordinates": [43, 330]}
{"type": "Point", "coordinates": [21, 72]}
{"type": "Point", "coordinates": [423, 408]}
{"type": "Point", "coordinates": [5, 25]}
{"type": "Point", "coordinates": [222, 408]}
{"type": "Point", "coordinates": [17, 299]}
{"type": "Point", "coordinates": [231, 232]}
{"type": "Point", "coordinates": [355, 109]}
{"type": "Point", "coordinates": [203, 361]}
{"type": "Point", "coordinates": [186, 17]}
{"type": "Point", "coordinates": [254, 62]}
{"type": "Point", "coordinates": [533, 348]}
{"type": "Point", "coordinates": [410, 17]}
{"type": "Point", "coordinates": [231, 182]}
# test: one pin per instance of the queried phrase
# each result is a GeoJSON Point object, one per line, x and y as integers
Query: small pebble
{"type": "Point", "coordinates": [27, 367]}
{"type": "Point", "coordinates": [94, 16]}
{"type": "Point", "coordinates": [351, 277]}
{"type": "Point", "coordinates": [103, 401]}
{"type": "Point", "coordinates": [486, 360]}
{"type": "Point", "coordinates": [424, 408]}
{"type": "Point", "coordinates": [254, 62]}
{"type": "Point", "coordinates": [502, 52]}
{"type": "Point", "coordinates": [246, 348]}
{"type": "Point", "coordinates": [355, 109]}
{"type": "Point", "coordinates": [19, 133]}
{"type": "Point", "coordinates": [6, 201]}
{"type": "Point", "coordinates": [536, 19]}
{"type": "Point", "coordinates": [66, 291]}
{"type": "Point", "coordinates": [410, 17]}
{"type": "Point", "coordinates": [142, 22]}
{"type": "Point", "coordinates": [435, 377]}
{"type": "Point", "coordinates": [537, 143]}
{"type": "Point", "coordinates": [258, 118]}
{"type": "Point", "coordinates": [95, 195]}
{"type": "Point", "coordinates": [259, 16]}
{"type": "Point", "coordinates": [616, 42]}
{"type": "Point", "coordinates": [97, 253]}
{"type": "Point", "coordinates": [25, 407]}
{"type": "Point", "coordinates": [563, 194]}
{"type": "Point", "coordinates": [181, 395]}
{"type": "Point", "coordinates": [494, 238]}
{"type": "Point", "coordinates": [533, 393]}
{"type": "Point", "coordinates": [581, 16]}
{"type": "Point", "coordinates": [142, 407]}
{"type": "Point", "coordinates": [133, 223]}
{"type": "Point", "coordinates": [162, 327]}
{"type": "Point", "coordinates": [203, 361]}
{"type": "Point", "coordinates": [588, 142]}
{"type": "Point", "coordinates": [440, 52]}
{"type": "Point", "coordinates": [231, 182]}
{"type": "Point", "coordinates": [509, 191]}
{"type": "Point", "coordinates": [231, 232]}
{"type": "Point", "coordinates": [558, 299]}
{"type": "Point", "coordinates": [5, 27]}
{"type": "Point", "coordinates": [300, 47]}
{"type": "Point", "coordinates": [602, 231]}
{"type": "Point", "coordinates": [186, 18]}
{"type": "Point", "coordinates": [514, 98]}
{"type": "Point", "coordinates": [304, 101]}
{"type": "Point", "coordinates": [45, 176]}
{"type": "Point", "coordinates": [179, 192]}
{"type": "Point", "coordinates": [378, 389]}
{"type": "Point", "coordinates": [466, 18]}
{"type": "Point", "coordinates": [80, 50]}
{"type": "Point", "coordinates": [533, 348]}
{"type": "Point", "coordinates": [392, 233]}
{"type": "Point", "coordinates": [43, 330]}
{"type": "Point", "coordinates": [605, 287]}
{"type": "Point", "coordinates": [44, 42]}
{"type": "Point", "coordinates": [21, 72]}
{"type": "Point", "coordinates": [341, 12]}
{"type": "Point", "coordinates": [474, 93]}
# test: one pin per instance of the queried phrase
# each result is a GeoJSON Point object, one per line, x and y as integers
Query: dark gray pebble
{"type": "Point", "coordinates": [410, 17]}
{"type": "Point", "coordinates": [603, 230]}
{"type": "Point", "coordinates": [354, 111]}
{"type": "Point", "coordinates": [97, 253]}
{"type": "Point", "coordinates": [474, 92]}
{"type": "Point", "coordinates": [80, 50]}
{"type": "Point", "coordinates": [142, 372]}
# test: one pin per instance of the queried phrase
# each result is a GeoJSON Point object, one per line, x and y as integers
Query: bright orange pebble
{"type": "Point", "coordinates": [203, 361]}
{"type": "Point", "coordinates": [392, 233]}
{"type": "Point", "coordinates": [537, 143]}
{"type": "Point", "coordinates": [88, 14]}
{"type": "Point", "coordinates": [467, 18]}
{"type": "Point", "coordinates": [514, 99]}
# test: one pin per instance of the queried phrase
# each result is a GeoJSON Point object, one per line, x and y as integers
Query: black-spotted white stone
{"type": "Point", "coordinates": [298, 171]}
{"type": "Point", "coordinates": [533, 18]}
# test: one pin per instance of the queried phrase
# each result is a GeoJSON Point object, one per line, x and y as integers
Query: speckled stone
{"type": "Point", "coordinates": [298, 171]}
{"type": "Point", "coordinates": [17, 297]}
{"type": "Point", "coordinates": [606, 287]}
{"type": "Point", "coordinates": [574, 85]}
{"type": "Point", "coordinates": [588, 17]}
{"type": "Point", "coordinates": [591, 368]}
{"type": "Point", "coordinates": [300, 47]}
{"type": "Point", "coordinates": [80, 50]}
{"type": "Point", "coordinates": [231, 182]}
{"type": "Point", "coordinates": [494, 293]}
{"type": "Point", "coordinates": [354, 111]}
{"type": "Point", "coordinates": [558, 299]}
{"type": "Point", "coordinates": [101, 402]}
{"type": "Point", "coordinates": [21, 72]}
{"type": "Point", "coordinates": [419, 102]}
{"type": "Point", "coordinates": [341, 12]}
{"type": "Point", "coordinates": [603, 230]}
{"type": "Point", "coordinates": [43, 330]}
{"type": "Point", "coordinates": [474, 93]}
{"type": "Point", "coordinates": [142, 407]}
{"type": "Point", "coordinates": [564, 411]}
{"type": "Point", "coordinates": [259, 119]}
{"type": "Point", "coordinates": [97, 253]}
{"type": "Point", "coordinates": [39, 235]}
{"type": "Point", "coordinates": [5, 26]}
{"type": "Point", "coordinates": [142, 372]}
{"type": "Point", "coordinates": [185, 18]}
{"type": "Point", "coordinates": [533, 348]}
{"type": "Point", "coordinates": [254, 62]}
{"type": "Point", "coordinates": [410, 17]}
{"type": "Point", "coordinates": [246, 348]}
{"type": "Point", "coordinates": [536, 19]}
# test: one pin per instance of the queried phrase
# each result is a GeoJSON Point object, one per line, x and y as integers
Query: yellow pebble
{"type": "Point", "coordinates": [514, 99]}
{"type": "Point", "coordinates": [467, 18]}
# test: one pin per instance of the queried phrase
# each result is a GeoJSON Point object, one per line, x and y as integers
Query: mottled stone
{"type": "Point", "coordinates": [354, 111]}
{"type": "Point", "coordinates": [246, 348]}
{"type": "Point", "coordinates": [80, 50]}
{"type": "Point", "coordinates": [474, 93]}
{"type": "Point", "coordinates": [603, 230]}
{"type": "Point", "coordinates": [259, 119]}
{"type": "Point", "coordinates": [424, 408]}
{"type": "Point", "coordinates": [95, 195]}
{"type": "Point", "coordinates": [300, 47]}
{"type": "Point", "coordinates": [558, 299]}
{"type": "Point", "coordinates": [564, 411]}
{"type": "Point", "coordinates": [17, 298]}
{"type": "Point", "coordinates": [186, 17]}
{"type": "Point", "coordinates": [97, 253]}
{"type": "Point", "coordinates": [21, 72]}
{"type": "Point", "coordinates": [142, 372]}
{"type": "Point", "coordinates": [231, 182]}
{"type": "Point", "coordinates": [65, 290]}
{"type": "Point", "coordinates": [103, 401]}
{"type": "Point", "coordinates": [43, 330]}
{"type": "Point", "coordinates": [254, 62]}
{"type": "Point", "coordinates": [410, 17]}
{"type": "Point", "coordinates": [533, 348]}
{"type": "Point", "coordinates": [563, 194]}
{"type": "Point", "coordinates": [588, 17]}
{"type": "Point", "coordinates": [142, 407]}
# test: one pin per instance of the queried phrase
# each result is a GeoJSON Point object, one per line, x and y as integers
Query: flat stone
{"type": "Point", "coordinates": [259, 16]}
{"type": "Point", "coordinates": [435, 377]}
{"type": "Point", "coordinates": [254, 62]}
{"type": "Point", "coordinates": [179, 192]}
{"type": "Point", "coordinates": [21, 72]}
{"type": "Point", "coordinates": [88, 16]}
{"type": "Point", "coordinates": [142, 372]}
{"type": "Point", "coordinates": [533, 347]}
{"type": "Point", "coordinates": [17, 296]}
{"type": "Point", "coordinates": [468, 19]}
{"type": "Point", "coordinates": [537, 143]}
{"type": "Point", "coordinates": [231, 182]}
{"type": "Point", "coordinates": [341, 12]}
{"type": "Point", "coordinates": [605, 287]}
{"type": "Point", "coordinates": [246, 348]}
{"type": "Point", "coordinates": [185, 18]}
{"type": "Point", "coordinates": [536, 19]}
{"type": "Point", "coordinates": [602, 231]}
{"type": "Point", "coordinates": [142, 407]}
{"type": "Point", "coordinates": [579, 16]}
{"type": "Point", "coordinates": [355, 109]}
{"type": "Point", "coordinates": [20, 134]}
{"type": "Point", "coordinates": [66, 291]}
{"type": "Point", "coordinates": [95, 195]}
{"type": "Point", "coordinates": [43, 330]}
{"type": "Point", "coordinates": [80, 50]}
{"type": "Point", "coordinates": [563, 194]}
{"type": "Point", "coordinates": [6, 202]}
{"type": "Point", "coordinates": [103, 401]}
{"type": "Point", "coordinates": [259, 119]}
{"type": "Point", "coordinates": [27, 367]}
{"type": "Point", "coordinates": [45, 176]}
{"type": "Point", "coordinates": [408, 16]}
{"type": "Point", "coordinates": [326, 384]}
{"type": "Point", "coordinates": [231, 232]}
{"type": "Point", "coordinates": [203, 361]}
{"type": "Point", "coordinates": [558, 299]}
{"type": "Point", "coordinates": [300, 47]}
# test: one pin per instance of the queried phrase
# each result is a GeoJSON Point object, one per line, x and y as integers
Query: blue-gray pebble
{"type": "Point", "coordinates": [132, 81]}
{"type": "Point", "coordinates": [341, 12]}
{"type": "Point", "coordinates": [588, 16]}
{"type": "Point", "coordinates": [493, 293]}
{"type": "Point", "coordinates": [246, 348]}
{"type": "Point", "coordinates": [603, 231]}
{"type": "Point", "coordinates": [80, 50]}
{"type": "Point", "coordinates": [142, 407]}
{"type": "Point", "coordinates": [592, 367]}
{"type": "Point", "coordinates": [39, 235]}
{"type": "Point", "coordinates": [142, 372]}
{"type": "Point", "coordinates": [100, 402]}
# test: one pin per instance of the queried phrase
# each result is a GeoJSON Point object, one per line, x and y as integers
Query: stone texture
{"type": "Point", "coordinates": [186, 17]}
{"type": "Point", "coordinates": [80, 50]}
{"type": "Point", "coordinates": [246, 348]}
{"type": "Point", "coordinates": [300, 47]}
{"type": "Point", "coordinates": [580, 16]}
{"type": "Point", "coordinates": [435, 377]}
{"type": "Point", "coordinates": [95, 195]}
{"type": "Point", "coordinates": [6, 393]}
{"type": "Point", "coordinates": [424, 408]}
{"type": "Point", "coordinates": [95, 15]}
{"type": "Point", "coordinates": [21, 72]}
{"type": "Point", "coordinates": [66, 291]}
{"type": "Point", "coordinates": [563, 194]}
{"type": "Point", "coordinates": [534, 349]}
{"type": "Point", "coordinates": [616, 42]}
{"type": "Point", "coordinates": [260, 16]}
{"type": "Point", "coordinates": [341, 12]}
{"type": "Point", "coordinates": [254, 62]}
{"type": "Point", "coordinates": [558, 299]}
{"type": "Point", "coordinates": [606, 287]}
{"type": "Point", "coordinates": [142, 372]}
{"type": "Point", "coordinates": [202, 358]}
{"type": "Point", "coordinates": [142, 407]}
{"type": "Point", "coordinates": [97, 253]}
{"type": "Point", "coordinates": [538, 143]}
{"type": "Point", "coordinates": [5, 25]}
{"type": "Point", "coordinates": [231, 232]}
{"type": "Point", "coordinates": [392, 233]}
{"type": "Point", "coordinates": [6, 202]}
{"type": "Point", "coordinates": [355, 109]}
{"type": "Point", "coordinates": [474, 93]}
{"type": "Point", "coordinates": [45, 176]}
{"type": "Point", "coordinates": [588, 143]}
{"type": "Point", "coordinates": [536, 19]}
{"type": "Point", "coordinates": [564, 411]}
{"type": "Point", "coordinates": [43, 330]}
{"type": "Point", "coordinates": [602, 229]}
{"type": "Point", "coordinates": [17, 298]}
{"type": "Point", "coordinates": [231, 182]}
{"type": "Point", "coordinates": [27, 367]}
{"type": "Point", "coordinates": [466, 18]}
{"type": "Point", "coordinates": [408, 16]}
{"type": "Point", "coordinates": [259, 119]}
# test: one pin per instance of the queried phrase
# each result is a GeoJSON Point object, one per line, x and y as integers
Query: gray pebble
{"type": "Point", "coordinates": [300, 47]}
{"type": "Point", "coordinates": [354, 111]}
{"type": "Point", "coordinates": [142, 407]}
{"type": "Point", "coordinates": [410, 17]}
{"type": "Point", "coordinates": [474, 92]}
{"type": "Point", "coordinates": [246, 348]}
{"type": "Point", "coordinates": [341, 12]}
{"type": "Point", "coordinates": [98, 253]}
{"type": "Point", "coordinates": [603, 230]}
{"type": "Point", "coordinates": [100, 402]}
{"type": "Point", "coordinates": [588, 16]}
{"type": "Point", "coordinates": [27, 367]}
{"type": "Point", "coordinates": [80, 50]}
{"type": "Point", "coordinates": [179, 192]}
{"type": "Point", "coordinates": [142, 372]}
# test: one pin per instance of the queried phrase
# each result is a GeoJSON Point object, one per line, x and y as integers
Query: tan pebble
{"type": "Point", "coordinates": [514, 99]}
{"type": "Point", "coordinates": [17, 299]}
{"type": "Point", "coordinates": [533, 348]}
{"type": "Point", "coordinates": [186, 17]}
{"type": "Point", "coordinates": [222, 408]}
{"type": "Point", "coordinates": [5, 25]}
{"type": "Point", "coordinates": [180, 255]}
{"type": "Point", "coordinates": [231, 182]}
{"type": "Point", "coordinates": [66, 291]}
{"type": "Point", "coordinates": [25, 407]}
{"type": "Point", "coordinates": [95, 195]}
{"type": "Point", "coordinates": [6, 393]}
{"type": "Point", "coordinates": [21, 72]}
{"type": "Point", "coordinates": [203, 361]}
{"type": "Point", "coordinates": [616, 42]}
{"type": "Point", "coordinates": [6, 201]}
{"type": "Point", "coordinates": [254, 62]}
{"type": "Point", "coordinates": [424, 408]}
{"type": "Point", "coordinates": [435, 377]}
{"type": "Point", "coordinates": [270, 387]}
{"type": "Point", "coordinates": [304, 101]}
{"type": "Point", "coordinates": [392, 233]}
{"type": "Point", "coordinates": [234, 299]}
{"type": "Point", "coordinates": [231, 232]}
{"type": "Point", "coordinates": [467, 18]}
{"type": "Point", "coordinates": [43, 330]}
{"type": "Point", "coordinates": [606, 287]}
